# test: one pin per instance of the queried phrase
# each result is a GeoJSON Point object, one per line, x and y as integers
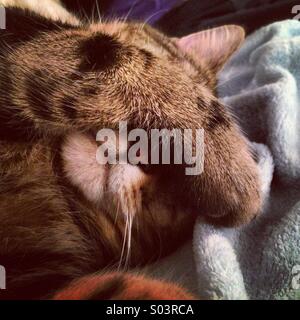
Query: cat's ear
{"type": "Point", "coordinates": [22, 25]}
{"type": "Point", "coordinates": [213, 47]}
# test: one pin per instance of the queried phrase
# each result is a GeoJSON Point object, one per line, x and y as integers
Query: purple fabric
{"type": "Point", "coordinates": [145, 10]}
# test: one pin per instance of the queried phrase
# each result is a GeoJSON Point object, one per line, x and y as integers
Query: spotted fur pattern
{"type": "Point", "coordinates": [59, 83]}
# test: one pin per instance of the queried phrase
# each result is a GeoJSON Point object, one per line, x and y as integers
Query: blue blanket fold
{"type": "Point", "coordinates": [261, 85]}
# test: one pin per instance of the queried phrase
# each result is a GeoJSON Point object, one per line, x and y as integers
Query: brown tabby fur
{"type": "Point", "coordinates": [56, 79]}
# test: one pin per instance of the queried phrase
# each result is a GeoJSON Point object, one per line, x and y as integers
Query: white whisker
{"type": "Point", "coordinates": [98, 11]}
{"type": "Point", "coordinates": [130, 220]}
{"type": "Point", "coordinates": [130, 11]}
{"type": "Point", "coordinates": [124, 243]}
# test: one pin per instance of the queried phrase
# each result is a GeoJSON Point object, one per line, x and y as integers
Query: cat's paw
{"type": "Point", "coordinates": [122, 286]}
{"type": "Point", "coordinates": [235, 210]}
{"type": "Point", "coordinates": [228, 192]}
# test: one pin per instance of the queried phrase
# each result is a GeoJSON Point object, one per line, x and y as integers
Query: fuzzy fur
{"type": "Point", "coordinates": [62, 216]}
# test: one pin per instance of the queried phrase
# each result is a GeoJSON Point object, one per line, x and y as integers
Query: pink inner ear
{"type": "Point", "coordinates": [213, 46]}
{"type": "Point", "coordinates": [190, 43]}
{"type": "Point", "coordinates": [205, 44]}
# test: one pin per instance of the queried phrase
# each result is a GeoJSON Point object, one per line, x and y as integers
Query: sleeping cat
{"type": "Point", "coordinates": [62, 215]}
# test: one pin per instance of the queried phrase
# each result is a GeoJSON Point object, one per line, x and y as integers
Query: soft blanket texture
{"type": "Point", "coordinates": [261, 85]}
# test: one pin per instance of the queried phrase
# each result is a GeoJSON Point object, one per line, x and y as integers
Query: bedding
{"type": "Point", "coordinates": [261, 85]}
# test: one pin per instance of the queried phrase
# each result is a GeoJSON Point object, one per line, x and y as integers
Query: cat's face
{"type": "Point", "coordinates": [89, 77]}
{"type": "Point", "coordinates": [58, 79]}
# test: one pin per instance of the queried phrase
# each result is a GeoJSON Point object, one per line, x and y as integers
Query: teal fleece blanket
{"type": "Point", "coordinates": [261, 85]}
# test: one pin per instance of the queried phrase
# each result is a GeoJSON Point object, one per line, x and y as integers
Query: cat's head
{"type": "Point", "coordinates": [92, 76]}
{"type": "Point", "coordinates": [115, 63]}
{"type": "Point", "coordinates": [200, 55]}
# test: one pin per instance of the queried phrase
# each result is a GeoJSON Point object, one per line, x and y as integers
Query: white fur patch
{"type": "Point", "coordinates": [81, 167]}
{"type": "Point", "coordinates": [114, 187]}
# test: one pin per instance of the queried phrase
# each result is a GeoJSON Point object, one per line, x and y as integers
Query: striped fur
{"type": "Point", "coordinates": [60, 79]}
{"type": "Point", "coordinates": [120, 286]}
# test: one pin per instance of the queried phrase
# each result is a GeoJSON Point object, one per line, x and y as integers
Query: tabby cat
{"type": "Point", "coordinates": [68, 222]}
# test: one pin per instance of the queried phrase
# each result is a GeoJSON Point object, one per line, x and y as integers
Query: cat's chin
{"type": "Point", "coordinates": [116, 188]}
{"type": "Point", "coordinates": [121, 189]}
